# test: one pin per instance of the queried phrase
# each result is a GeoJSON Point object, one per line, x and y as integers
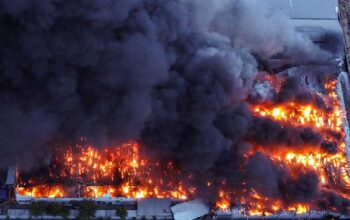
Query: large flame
{"type": "Point", "coordinates": [124, 171]}
{"type": "Point", "coordinates": [331, 167]}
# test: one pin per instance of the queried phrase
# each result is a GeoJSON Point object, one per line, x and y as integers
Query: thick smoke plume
{"type": "Point", "coordinates": [172, 74]}
{"type": "Point", "coordinates": [112, 70]}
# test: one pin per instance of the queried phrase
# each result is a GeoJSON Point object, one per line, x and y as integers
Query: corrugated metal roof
{"type": "Point", "coordinates": [189, 210]}
{"type": "Point", "coordinates": [153, 207]}
{"type": "Point", "coordinates": [311, 13]}
{"type": "Point", "coordinates": [313, 9]}
{"type": "Point", "coordinates": [305, 9]}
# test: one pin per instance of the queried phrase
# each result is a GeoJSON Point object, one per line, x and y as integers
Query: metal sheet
{"type": "Point", "coordinates": [189, 210]}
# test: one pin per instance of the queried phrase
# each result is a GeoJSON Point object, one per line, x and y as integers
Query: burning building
{"type": "Point", "coordinates": [174, 109]}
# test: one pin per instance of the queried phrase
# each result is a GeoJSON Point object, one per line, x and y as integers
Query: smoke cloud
{"type": "Point", "coordinates": [172, 74]}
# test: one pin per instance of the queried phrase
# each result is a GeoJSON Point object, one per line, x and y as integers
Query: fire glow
{"type": "Point", "coordinates": [122, 171]}
{"type": "Point", "coordinates": [121, 165]}
{"type": "Point", "coordinates": [331, 168]}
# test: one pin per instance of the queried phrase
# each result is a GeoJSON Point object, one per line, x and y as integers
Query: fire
{"type": "Point", "coordinates": [223, 202]}
{"type": "Point", "coordinates": [307, 115]}
{"type": "Point", "coordinates": [331, 167]}
{"type": "Point", "coordinates": [121, 169]}
{"type": "Point", "coordinates": [299, 208]}
{"type": "Point", "coordinates": [87, 164]}
{"type": "Point", "coordinates": [85, 171]}
{"type": "Point", "coordinates": [96, 191]}
{"type": "Point", "coordinates": [54, 191]}
{"type": "Point", "coordinates": [316, 160]}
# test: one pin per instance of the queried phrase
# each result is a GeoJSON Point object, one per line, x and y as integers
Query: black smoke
{"type": "Point", "coordinates": [172, 74]}
{"type": "Point", "coordinates": [102, 69]}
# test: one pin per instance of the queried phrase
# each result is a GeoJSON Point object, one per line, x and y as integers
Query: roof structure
{"type": "Point", "coordinates": [313, 9]}
{"type": "Point", "coordinates": [154, 207]}
{"type": "Point", "coordinates": [305, 9]}
{"type": "Point", "coordinates": [190, 210]}
{"type": "Point", "coordinates": [311, 13]}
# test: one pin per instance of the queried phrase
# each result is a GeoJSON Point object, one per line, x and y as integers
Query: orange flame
{"type": "Point", "coordinates": [125, 172]}
{"type": "Point", "coordinates": [122, 165]}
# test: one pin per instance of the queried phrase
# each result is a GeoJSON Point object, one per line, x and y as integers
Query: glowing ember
{"type": "Point", "coordinates": [124, 172]}
{"type": "Point", "coordinates": [223, 202]}
{"type": "Point", "coordinates": [49, 191]}
{"type": "Point", "coordinates": [299, 208]}
{"type": "Point", "coordinates": [302, 115]}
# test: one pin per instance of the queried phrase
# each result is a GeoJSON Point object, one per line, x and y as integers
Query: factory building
{"type": "Point", "coordinates": [21, 207]}
{"type": "Point", "coordinates": [317, 23]}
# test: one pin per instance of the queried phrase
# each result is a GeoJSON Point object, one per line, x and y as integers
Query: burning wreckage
{"type": "Point", "coordinates": [121, 176]}
{"type": "Point", "coordinates": [289, 159]}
